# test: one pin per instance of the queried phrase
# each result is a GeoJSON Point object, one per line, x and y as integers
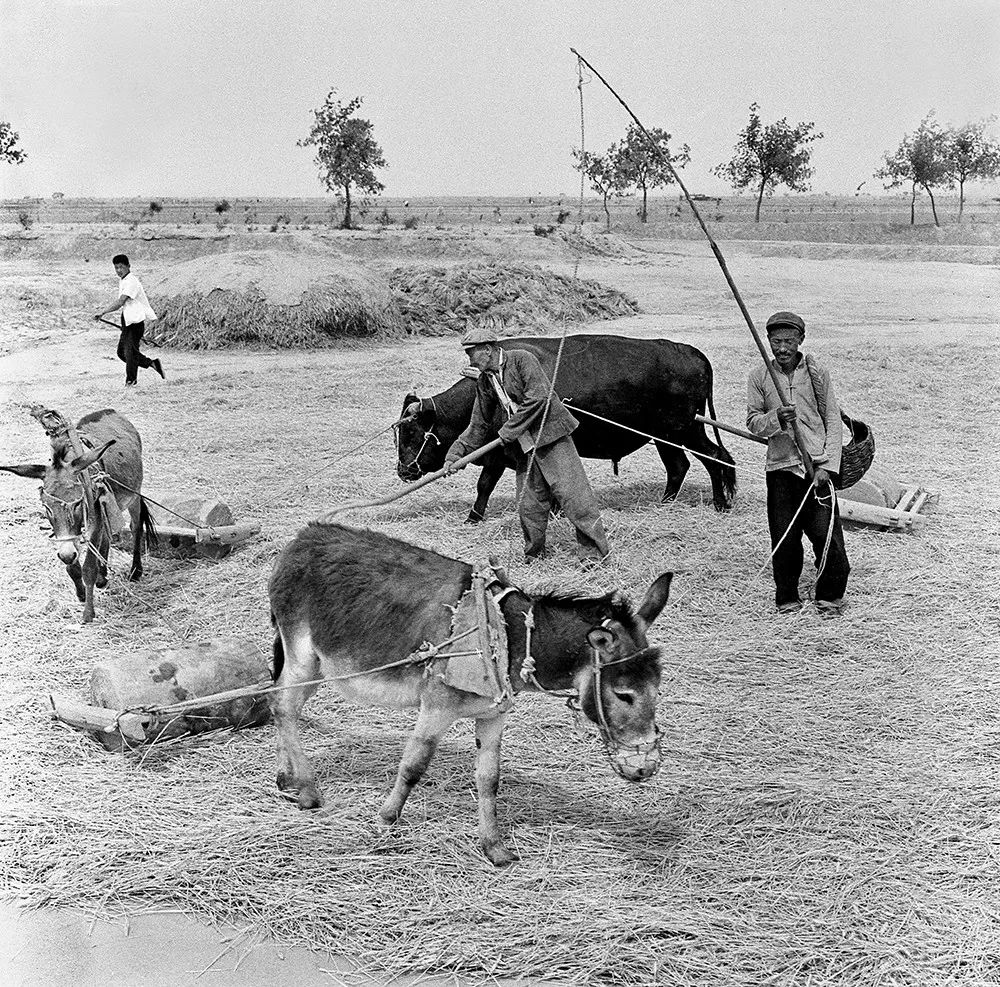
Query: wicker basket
{"type": "Point", "coordinates": [858, 454]}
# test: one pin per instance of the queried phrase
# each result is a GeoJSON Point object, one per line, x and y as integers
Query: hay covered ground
{"type": "Point", "coordinates": [828, 809]}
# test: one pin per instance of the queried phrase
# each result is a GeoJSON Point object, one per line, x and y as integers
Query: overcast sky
{"type": "Point", "coordinates": [468, 97]}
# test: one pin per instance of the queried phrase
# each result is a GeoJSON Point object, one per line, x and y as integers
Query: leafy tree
{"type": "Point", "coordinates": [768, 155]}
{"type": "Point", "coordinates": [637, 165]}
{"type": "Point", "coordinates": [922, 160]}
{"type": "Point", "coordinates": [972, 155]}
{"type": "Point", "coordinates": [347, 153]}
{"type": "Point", "coordinates": [600, 172]}
{"type": "Point", "coordinates": [9, 151]}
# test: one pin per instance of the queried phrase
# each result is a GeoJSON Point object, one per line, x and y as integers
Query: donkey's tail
{"type": "Point", "coordinates": [146, 524]}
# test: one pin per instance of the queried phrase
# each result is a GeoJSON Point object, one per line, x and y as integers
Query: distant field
{"type": "Point", "coordinates": [665, 212]}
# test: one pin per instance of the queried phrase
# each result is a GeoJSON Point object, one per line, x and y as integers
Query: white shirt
{"type": "Point", "coordinates": [137, 307]}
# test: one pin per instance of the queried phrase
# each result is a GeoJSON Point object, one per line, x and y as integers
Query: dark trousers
{"type": "Point", "coordinates": [785, 491]}
{"type": "Point", "coordinates": [128, 350]}
{"type": "Point", "coordinates": [557, 476]}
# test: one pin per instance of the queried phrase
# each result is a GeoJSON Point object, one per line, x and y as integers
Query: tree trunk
{"type": "Point", "coordinates": [961, 198]}
{"type": "Point", "coordinates": [607, 214]}
{"type": "Point", "coordinates": [913, 204]}
{"type": "Point", "coordinates": [933, 209]}
{"type": "Point", "coordinates": [346, 225]}
{"type": "Point", "coordinates": [643, 216]}
{"type": "Point", "coordinates": [760, 199]}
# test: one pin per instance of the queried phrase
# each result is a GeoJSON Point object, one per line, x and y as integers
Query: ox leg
{"type": "Point", "coordinates": [75, 573]}
{"type": "Point", "coordinates": [488, 735]}
{"type": "Point", "coordinates": [489, 477]}
{"type": "Point", "coordinates": [723, 477]}
{"type": "Point", "coordinates": [295, 773]}
{"type": "Point", "coordinates": [676, 463]}
{"type": "Point", "coordinates": [432, 724]}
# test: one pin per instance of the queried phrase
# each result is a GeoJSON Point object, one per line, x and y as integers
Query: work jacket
{"type": "Point", "coordinates": [811, 389]}
{"type": "Point", "coordinates": [527, 386]}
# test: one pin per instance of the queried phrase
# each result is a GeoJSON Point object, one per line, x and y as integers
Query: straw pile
{"type": "Point", "coordinates": [269, 298]}
{"type": "Point", "coordinates": [512, 298]}
{"type": "Point", "coordinates": [828, 809]}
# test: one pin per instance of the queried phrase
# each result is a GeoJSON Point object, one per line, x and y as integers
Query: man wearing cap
{"type": "Point", "coordinates": [513, 386]}
{"type": "Point", "coordinates": [813, 404]}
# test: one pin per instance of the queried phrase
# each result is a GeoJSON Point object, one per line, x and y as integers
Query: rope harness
{"type": "Point", "coordinates": [428, 436]}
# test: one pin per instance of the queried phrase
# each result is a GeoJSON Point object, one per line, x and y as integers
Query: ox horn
{"type": "Point", "coordinates": [89, 458]}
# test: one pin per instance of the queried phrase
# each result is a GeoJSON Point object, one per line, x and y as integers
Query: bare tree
{"type": "Point", "coordinates": [972, 155]}
{"type": "Point", "coordinates": [9, 151]}
{"type": "Point", "coordinates": [600, 172]}
{"type": "Point", "coordinates": [347, 153]}
{"type": "Point", "coordinates": [636, 164]}
{"type": "Point", "coordinates": [922, 160]}
{"type": "Point", "coordinates": [768, 155]}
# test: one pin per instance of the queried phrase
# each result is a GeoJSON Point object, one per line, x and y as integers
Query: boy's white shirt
{"type": "Point", "coordinates": [137, 307]}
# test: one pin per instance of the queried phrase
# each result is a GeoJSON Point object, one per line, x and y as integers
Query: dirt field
{"type": "Point", "coordinates": [828, 807]}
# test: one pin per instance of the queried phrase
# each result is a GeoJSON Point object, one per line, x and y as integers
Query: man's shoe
{"type": "Point", "coordinates": [130, 383]}
{"type": "Point", "coordinates": [791, 606]}
{"type": "Point", "coordinates": [158, 367]}
{"type": "Point", "coordinates": [830, 608]}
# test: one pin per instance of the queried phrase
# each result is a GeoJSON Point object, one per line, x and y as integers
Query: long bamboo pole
{"type": "Point", "coordinates": [796, 432]}
{"type": "Point", "coordinates": [413, 487]}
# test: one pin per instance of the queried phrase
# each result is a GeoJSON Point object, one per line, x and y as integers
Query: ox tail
{"type": "Point", "coordinates": [728, 475]}
{"type": "Point", "coordinates": [279, 656]}
{"type": "Point", "coordinates": [146, 525]}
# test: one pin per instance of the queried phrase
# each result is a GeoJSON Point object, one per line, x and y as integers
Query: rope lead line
{"type": "Point", "coordinates": [665, 159]}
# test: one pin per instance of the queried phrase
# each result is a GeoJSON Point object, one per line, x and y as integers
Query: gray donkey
{"type": "Point", "coordinates": [95, 477]}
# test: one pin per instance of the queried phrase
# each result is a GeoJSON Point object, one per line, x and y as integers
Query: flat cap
{"type": "Point", "coordinates": [482, 334]}
{"type": "Point", "coordinates": [786, 319]}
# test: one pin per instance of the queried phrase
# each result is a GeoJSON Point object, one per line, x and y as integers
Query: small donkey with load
{"type": "Point", "coordinates": [362, 610]}
{"type": "Point", "coordinates": [94, 477]}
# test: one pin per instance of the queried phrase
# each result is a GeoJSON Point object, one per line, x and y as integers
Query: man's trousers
{"type": "Point", "coordinates": [785, 491]}
{"type": "Point", "coordinates": [557, 478]}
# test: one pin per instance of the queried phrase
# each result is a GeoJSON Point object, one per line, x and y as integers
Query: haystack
{"type": "Point", "coordinates": [269, 298]}
{"type": "Point", "coordinates": [513, 298]}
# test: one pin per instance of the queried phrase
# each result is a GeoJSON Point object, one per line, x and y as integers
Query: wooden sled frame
{"type": "Point", "coordinates": [904, 516]}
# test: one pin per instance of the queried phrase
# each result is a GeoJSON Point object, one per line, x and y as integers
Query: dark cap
{"type": "Point", "coordinates": [786, 319]}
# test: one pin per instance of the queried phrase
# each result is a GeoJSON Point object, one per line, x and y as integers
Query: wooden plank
{"type": "Point", "coordinates": [479, 588]}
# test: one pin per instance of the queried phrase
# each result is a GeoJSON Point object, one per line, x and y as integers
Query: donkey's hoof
{"type": "Point", "coordinates": [101, 582]}
{"type": "Point", "coordinates": [499, 856]}
{"type": "Point", "coordinates": [309, 798]}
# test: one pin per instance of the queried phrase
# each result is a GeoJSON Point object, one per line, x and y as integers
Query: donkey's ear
{"type": "Point", "coordinates": [33, 471]}
{"type": "Point", "coordinates": [89, 458]}
{"type": "Point", "coordinates": [601, 639]}
{"type": "Point", "coordinates": [656, 599]}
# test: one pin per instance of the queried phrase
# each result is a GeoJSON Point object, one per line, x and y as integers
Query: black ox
{"type": "Point", "coordinates": [654, 385]}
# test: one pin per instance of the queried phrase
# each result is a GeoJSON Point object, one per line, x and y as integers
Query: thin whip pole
{"type": "Point", "coordinates": [414, 487]}
{"type": "Point", "coordinates": [799, 441]}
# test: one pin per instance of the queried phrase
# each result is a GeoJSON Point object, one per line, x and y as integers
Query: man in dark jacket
{"type": "Point", "coordinates": [513, 386]}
